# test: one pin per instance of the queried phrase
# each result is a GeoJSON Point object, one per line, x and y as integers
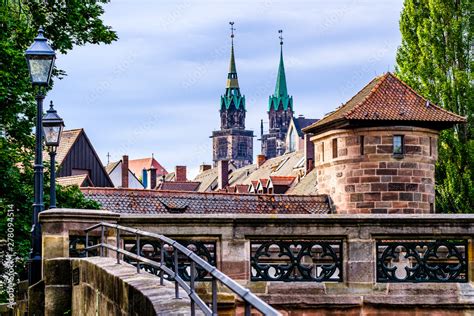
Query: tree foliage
{"type": "Point", "coordinates": [436, 58]}
{"type": "Point", "coordinates": [67, 23]}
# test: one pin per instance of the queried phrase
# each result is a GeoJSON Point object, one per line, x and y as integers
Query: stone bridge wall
{"type": "Point", "coordinates": [357, 292]}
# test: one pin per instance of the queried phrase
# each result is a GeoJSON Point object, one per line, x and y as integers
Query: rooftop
{"type": "Point", "coordinates": [387, 98]}
{"type": "Point", "coordinates": [134, 201]}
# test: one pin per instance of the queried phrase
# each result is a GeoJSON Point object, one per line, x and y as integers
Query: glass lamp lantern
{"type": "Point", "coordinates": [40, 57]}
{"type": "Point", "coordinates": [52, 127]}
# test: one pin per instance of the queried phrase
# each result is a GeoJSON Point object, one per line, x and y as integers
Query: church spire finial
{"type": "Point", "coordinates": [232, 29]}
{"type": "Point", "coordinates": [280, 88]}
{"type": "Point", "coordinates": [232, 81]}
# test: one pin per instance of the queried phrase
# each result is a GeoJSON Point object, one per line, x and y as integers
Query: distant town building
{"type": "Point", "coordinates": [77, 160]}
{"type": "Point", "coordinates": [233, 142]}
{"type": "Point", "coordinates": [121, 175]}
{"type": "Point", "coordinates": [147, 170]}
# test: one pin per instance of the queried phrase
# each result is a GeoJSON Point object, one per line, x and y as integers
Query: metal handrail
{"type": "Point", "coordinates": [250, 299]}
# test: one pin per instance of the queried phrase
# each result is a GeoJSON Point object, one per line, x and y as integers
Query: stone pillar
{"type": "Point", "coordinates": [359, 262]}
{"type": "Point", "coordinates": [235, 262]}
{"type": "Point", "coordinates": [58, 224]}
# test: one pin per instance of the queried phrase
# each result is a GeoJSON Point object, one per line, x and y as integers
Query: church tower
{"type": "Point", "coordinates": [280, 112]}
{"type": "Point", "coordinates": [232, 142]}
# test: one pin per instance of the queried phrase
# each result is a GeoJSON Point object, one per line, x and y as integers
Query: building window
{"type": "Point", "coordinates": [398, 145]}
{"type": "Point", "coordinates": [292, 141]}
{"type": "Point", "coordinates": [242, 149]}
{"type": "Point", "coordinates": [334, 148]}
{"type": "Point", "coordinates": [322, 151]}
{"type": "Point", "coordinates": [361, 142]}
{"type": "Point", "coordinates": [431, 147]}
{"type": "Point", "coordinates": [222, 148]}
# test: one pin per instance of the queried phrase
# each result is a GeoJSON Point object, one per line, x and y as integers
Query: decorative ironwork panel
{"type": "Point", "coordinates": [296, 261]}
{"type": "Point", "coordinates": [151, 249]}
{"type": "Point", "coordinates": [422, 261]}
{"type": "Point", "coordinates": [77, 246]}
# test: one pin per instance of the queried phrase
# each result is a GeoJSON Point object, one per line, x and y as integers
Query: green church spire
{"type": "Point", "coordinates": [281, 92]}
{"type": "Point", "coordinates": [280, 88]}
{"type": "Point", "coordinates": [232, 91]}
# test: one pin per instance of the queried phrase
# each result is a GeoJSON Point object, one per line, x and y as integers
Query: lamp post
{"type": "Point", "coordinates": [40, 58]}
{"type": "Point", "coordinates": [52, 127]}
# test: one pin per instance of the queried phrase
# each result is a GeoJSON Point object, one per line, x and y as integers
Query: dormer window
{"type": "Point", "coordinates": [398, 145]}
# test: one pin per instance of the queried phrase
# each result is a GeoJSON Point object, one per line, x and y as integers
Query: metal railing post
{"type": "Point", "coordinates": [162, 262]}
{"type": "Point", "coordinates": [118, 245]}
{"type": "Point", "coordinates": [102, 241]}
{"type": "Point", "coordinates": [176, 275]}
{"type": "Point", "coordinates": [191, 285]}
{"type": "Point", "coordinates": [87, 244]}
{"type": "Point", "coordinates": [214, 296]}
{"type": "Point", "coordinates": [138, 252]}
{"type": "Point", "coordinates": [248, 309]}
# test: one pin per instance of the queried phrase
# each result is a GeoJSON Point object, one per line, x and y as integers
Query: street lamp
{"type": "Point", "coordinates": [40, 58]}
{"type": "Point", "coordinates": [52, 127]}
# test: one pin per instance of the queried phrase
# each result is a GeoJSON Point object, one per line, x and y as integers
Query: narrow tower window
{"type": "Point", "coordinates": [334, 148]}
{"type": "Point", "coordinates": [431, 147]}
{"type": "Point", "coordinates": [398, 145]}
{"type": "Point", "coordinates": [361, 142]}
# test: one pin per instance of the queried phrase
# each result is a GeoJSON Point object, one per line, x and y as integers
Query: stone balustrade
{"type": "Point", "coordinates": [360, 239]}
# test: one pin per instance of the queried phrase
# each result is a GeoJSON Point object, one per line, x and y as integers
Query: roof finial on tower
{"type": "Point", "coordinates": [232, 29]}
{"type": "Point", "coordinates": [281, 36]}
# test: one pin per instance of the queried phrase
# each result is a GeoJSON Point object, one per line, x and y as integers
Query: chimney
{"type": "Point", "coordinates": [260, 160]}
{"type": "Point", "coordinates": [204, 167]}
{"type": "Point", "coordinates": [222, 173]}
{"type": "Point", "coordinates": [308, 152]}
{"type": "Point", "coordinates": [124, 171]}
{"type": "Point", "coordinates": [152, 177]}
{"type": "Point", "coordinates": [144, 178]}
{"type": "Point", "coordinates": [180, 174]}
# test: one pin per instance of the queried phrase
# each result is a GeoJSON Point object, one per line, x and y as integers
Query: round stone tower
{"type": "Point", "coordinates": [377, 152]}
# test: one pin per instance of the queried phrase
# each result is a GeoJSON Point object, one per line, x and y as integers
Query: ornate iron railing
{"type": "Point", "coordinates": [151, 249]}
{"type": "Point", "coordinates": [422, 261]}
{"type": "Point", "coordinates": [296, 260]}
{"type": "Point", "coordinates": [77, 246]}
{"type": "Point", "coordinates": [249, 299]}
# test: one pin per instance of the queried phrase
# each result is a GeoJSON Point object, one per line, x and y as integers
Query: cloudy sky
{"type": "Point", "coordinates": [156, 90]}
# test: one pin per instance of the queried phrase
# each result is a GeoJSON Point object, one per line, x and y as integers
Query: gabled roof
{"type": "Point", "coordinates": [242, 188]}
{"type": "Point", "coordinates": [111, 166]}
{"type": "Point", "coordinates": [178, 186]}
{"type": "Point", "coordinates": [136, 201]}
{"type": "Point", "coordinates": [282, 180]}
{"type": "Point", "coordinates": [137, 165]}
{"type": "Point", "coordinates": [66, 141]}
{"type": "Point", "coordinates": [302, 122]}
{"type": "Point", "coordinates": [284, 165]}
{"type": "Point", "coordinates": [81, 180]}
{"type": "Point", "coordinates": [308, 185]}
{"type": "Point", "coordinates": [388, 99]}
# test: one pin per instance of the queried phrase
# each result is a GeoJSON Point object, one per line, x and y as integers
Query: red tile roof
{"type": "Point", "coordinates": [282, 180]}
{"type": "Point", "coordinates": [242, 188]}
{"type": "Point", "coordinates": [136, 166]}
{"type": "Point", "coordinates": [178, 186]}
{"type": "Point", "coordinates": [387, 98]}
{"type": "Point", "coordinates": [135, 201]}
